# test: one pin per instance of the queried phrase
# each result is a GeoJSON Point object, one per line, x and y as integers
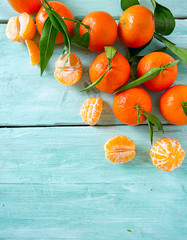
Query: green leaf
{"type": "Point", "coordinates": [179, 51]}
{"type": "Point", "coordinates": [136, 59]}
{"type": "Point", "coordinates": [184, 106]}
{"type": "Point", "coordinates": [150, 125]}
{"type": "Point", "coordinates": [58, 23]}
{"type": "Point", "coordinates": [136, 51]}
{"type": "Point", "coordinates": [47, 44]}
{"type": "Point", "coordinates": [153, 72]}
{"type": "Point", "coordinates": [97, 81]}
{"type": "Point", "coordinates": [110, 52]}
{"type": "Point", "coordinates": [83, 40]}
{"type": "Point", "coordinates": [128, 3]}
{"type": "Point", "coordinates": [154, 120]}
{"type": "Point", "coordinates": [164, 19]}
{"type": "Point", "coordinates": [171, 64]}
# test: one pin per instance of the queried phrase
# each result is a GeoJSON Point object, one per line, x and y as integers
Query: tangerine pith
{"type": "Point", "coordinates": [119, 149]}
{"type": "Point", "coordinates": [167, 154]}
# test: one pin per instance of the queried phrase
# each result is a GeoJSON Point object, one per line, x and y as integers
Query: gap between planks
{"type": "Point", "coordinates": [81, 18]}
{"type": "Point", "coordinates": [74, 126]}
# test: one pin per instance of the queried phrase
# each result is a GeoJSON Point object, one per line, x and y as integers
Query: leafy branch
{"type": "Point", "coordinates": [110, 53]}
{"type": "Point", "coordinates": [151, 119]}
{"type": "Point", "coordinates": [152, 73]}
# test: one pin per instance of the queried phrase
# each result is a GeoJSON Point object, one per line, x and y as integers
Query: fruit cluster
{"type": "Point", "coordinates": [110, 71]}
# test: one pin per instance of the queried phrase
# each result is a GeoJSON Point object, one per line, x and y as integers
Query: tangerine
{"type": "Point", "coordinates": [20, 28]}
{"type": "Point", "coordinates": [71, 72]}
{"type": "Point", "coordinates": [116, 77]}
{"type": "Point", "coordinates": [119, 149]}
{"type": "Point", "coordinates": [171, 104]}
{"type": "Point", "coordinates": [165, 78]}
{"type": "Point", "coordinates": [28, 6]}
{"type": "Point", "coordinates": [91, 110]}
{"type": "Point", "coordinates": [102, 32]}
{"type": "Point", "coordinates": [63, 11]}
{"type": "Point", "coordinates": [136, 26]}
{"type": "Point", "coordinates": [124, 105]}
{"type": "Point", "coordinates": [167, 154]}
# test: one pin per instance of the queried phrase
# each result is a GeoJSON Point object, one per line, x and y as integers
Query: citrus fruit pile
{"type": "Point", "coordinates": [110, 71]}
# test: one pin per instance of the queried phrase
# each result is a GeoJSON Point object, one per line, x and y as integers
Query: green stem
{"type": "Point", "coordinates": [77, 21]}
{"type": "Point", "coordinates": [138, 112]}
{"type": "Point", "coordinates": [133, 74]}
{"type": "Point", "coordinates": [154, 4]}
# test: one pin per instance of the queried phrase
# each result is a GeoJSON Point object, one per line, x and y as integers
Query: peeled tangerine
{"type": "Point", "coordinates": [91, 110]}
{"type": "Point", "coordinates": [71, 73]}
{"type": "Point", "coordinates": [119, 149]}
{"type": "Point", "coordinates": [21, 28]}
{"type": "Point", "coordinates": [167, 154]}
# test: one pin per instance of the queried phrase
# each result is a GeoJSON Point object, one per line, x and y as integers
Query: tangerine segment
{"type": "Point", "coordinates": [33, 52]}
{"type": "Point", "coordinates": [20, 28]}
{"type": "Point", "coordinates": [91, 110]}
{"type": "Point", "coordinates": [119, 149]}
{"type": "Point", "coordinates": [27, 26]}
{"type": "Point", "coordinates": [167, 154]}
{"type": "Point", "coordinates": [12, 29]}
{"type": "Point", "coordinates": [71, 73]}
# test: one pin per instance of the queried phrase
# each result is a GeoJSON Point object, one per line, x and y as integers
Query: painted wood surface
{"type": "Point", "coordinates": [28, 99]}
{"type": "Point", "coordinates": [57, 184]}
{"type": "Point", "coordinates": [80, 8]}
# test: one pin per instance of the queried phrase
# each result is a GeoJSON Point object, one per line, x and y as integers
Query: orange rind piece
{"type": "Point", "coordinates": [119, 149]}
{"type": "Point", "coordinates": [91, 110]}
{"type": "Point", "coordinates": [33, 52]}
{"type": "Point", "coordinates": [71, 73]}
{"type": "Point", "coordinates": [21, 28]}
{"type": "Point", "coordinates": [167, 154]}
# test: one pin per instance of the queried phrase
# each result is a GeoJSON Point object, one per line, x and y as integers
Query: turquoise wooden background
{"type": "Point", "coordinates": [55, 182]}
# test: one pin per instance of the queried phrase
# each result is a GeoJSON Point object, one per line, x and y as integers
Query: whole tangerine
{"type": "Point", "coordinates": [124, 105]}
{"type": "Point", "coordinates": [102, 31]}
{"type": "Point", "coordinates": [136, 26]}
{"type": "Point", "coordinates": [28, 6]}
{"type": "Point", "coordinates": [165, 79]}
{"type": "Point", "coordinates": [116, 77]}
{"type": "Point", "coordinates": [63, 11]}
{"type": "Point", "coordinates": [171, 103]}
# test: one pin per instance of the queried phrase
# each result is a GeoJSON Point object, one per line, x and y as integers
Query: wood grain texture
{"type": "Point", "coordinates": [28, 99]}
{"type": "Point", "coordinates": [81, 8]}
{"type": "Point", "coordinates": [57, 184]}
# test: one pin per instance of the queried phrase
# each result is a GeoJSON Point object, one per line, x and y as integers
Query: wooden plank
{"type": "Point", "coordinates": [56, 183]}
{"type": "Point", "coordinates": [27, 99]}
{"type": "Point", "coordinates": [82, 7]}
